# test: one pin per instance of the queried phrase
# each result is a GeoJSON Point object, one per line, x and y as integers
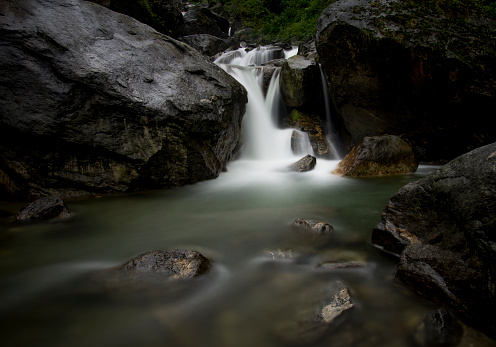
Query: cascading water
{"type": "Point", "coordinates": [330, 130]}
{"type": "Point", "coordinates": [264, 141]}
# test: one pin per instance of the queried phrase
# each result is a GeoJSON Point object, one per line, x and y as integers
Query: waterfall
{"type": "Point", "coordinates": [329, 127]}
{"type": "Point", "coordinates": [267, 148]}
{"type": "Point", "coordinates": [263, 140]}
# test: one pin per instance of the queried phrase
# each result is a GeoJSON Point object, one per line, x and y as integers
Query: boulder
{"type": "Point", "coordinates": [206, 44]}
{"type": "Point", "coordinates": [307, 163]}
{"type": "Point", "coordinates": [443, 228]}
{"type": "Point", "coordinates": [201, 20]}
{"type": "Point", "coordinates": [378, 155]}
{"type": "Point", "coordinates": [43, 209]}
{"type": "Point", "coordinates": [93, 101]}
{"type": "Point", "coordinates": [426, 72]}
{"type": "Point", "coordinates": [176, 264]}
{"type": "Point", "coordinates": [301, 83]}
{"type": "Point", "coordinates": [163, 16]}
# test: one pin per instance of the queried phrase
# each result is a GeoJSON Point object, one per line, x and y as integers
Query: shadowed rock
{"type": "Point", "coordinates": [45, 208]}
{"type": "Point", "coordinates": [443, 228]}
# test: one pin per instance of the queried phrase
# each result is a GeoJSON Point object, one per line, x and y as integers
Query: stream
{"type": "Point", "coordinates": [55, 288]}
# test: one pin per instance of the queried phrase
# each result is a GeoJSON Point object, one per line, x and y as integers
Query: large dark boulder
{"type": "Point", "coordinates": [443, 227]}
{"type": "Point", "coordinates": [378, 155]}
{"type": "Point", "coordinates": [93, 101]}
{"type": "Point", "coordinates": [163, 15]}
{"type": "Point", "coordinates": [301, 84]}
{"type": "Point", "coordinates": [201, 20]}
{"type": "Point", "coordinates": [426, 71]}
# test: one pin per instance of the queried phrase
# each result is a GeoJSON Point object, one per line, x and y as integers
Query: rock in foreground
{"type": "Point", "coordinates": [378, 155]}
{"type": "Point", "coordinates": [43, 209]}
{"type": "Point", "coordinates": [307, 163]}
{"type": "Point", "coordinates": [443, 227]}
{"type": "Point", "coordinates": [93, 102]}
{"type": "Point", "coordinates": [177, 264]}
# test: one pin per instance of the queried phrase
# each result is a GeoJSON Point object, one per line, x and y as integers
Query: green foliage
{"type": "Point", "coordinates": [276, 20]}
{"type": "Point", "coordinates": [292, 20]}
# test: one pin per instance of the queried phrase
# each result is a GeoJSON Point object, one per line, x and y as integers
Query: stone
{"type": "Point", "coordinates": [307, 163]}
{"type": "Point", "coordinates": [176, 264]}
{"type": "Point", "coordinates": [95, 102]}
{"type": "Point", "coordinates": [442, 227]}
{"type": "Point", "coordinates": [206, 44]}
{"type": "Point", "coordinates": [201, 20]}
{"type": "Point", "coordinates": [301, 84]}
{"type": "Point", "coordinates": [43, 209]}
{"type": "Point", "coordinates": [378, 155]}
{"type": "Point", "coordinates": [316, 321]}
{"type": "Point", "coordinates": [338, 303]}
{"type": "Point", "coordinates": [391, 69]}
{"type": "Point", "coordinates": [313, 226]}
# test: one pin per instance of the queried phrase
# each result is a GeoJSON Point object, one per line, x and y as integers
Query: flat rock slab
{"type": "Point", "coordinates": [177, 264]}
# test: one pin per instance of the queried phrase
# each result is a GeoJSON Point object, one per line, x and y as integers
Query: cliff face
{"type": "Point", "coordinates": [92, 101]}
{"type": "Point", "coordinates": [404, 68]}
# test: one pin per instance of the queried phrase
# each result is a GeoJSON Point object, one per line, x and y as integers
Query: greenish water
{"type": "Point", "coordinates": [53, 292]}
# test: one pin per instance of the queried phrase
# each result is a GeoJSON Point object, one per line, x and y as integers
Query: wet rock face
{"type": "Point", "coordinates": [94, 102]}
{"type": "Point", "coordinates": [300, 83]}
{"type": "Point", "coordinates": [392, 71]}
{"type": "Point", "coordinates": [378, 155]}
{"type": "Point", "coordinates": [177, 264]}
{"type": "Point", "coordinates": [443, 229]}
{"type": "Point", "coordinates": [43, 209]}
{"type": "Point", "coordinates": [311, 125]}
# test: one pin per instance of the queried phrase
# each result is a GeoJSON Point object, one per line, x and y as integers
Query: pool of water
{"type": "Point", "coordinates": [55, 290]}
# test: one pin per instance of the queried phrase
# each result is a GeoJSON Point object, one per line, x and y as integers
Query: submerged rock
{"type": "Point", "coordinates": [319, 228]}
{"type": "Point", "coordinates": [95, 102]}
{"type": "Point", "coordinates": [378, 155]}
{"type": "Point", "coordinates": [43, 209]}
{"type": "Point", "coordinates": [315, 323]}
{"type": "Point", "coordinates": [439, 328]}
{"type": "Point", "coordinates": [177, 264]}
{"type": "Point", "coordinates": [338, 303]}
{"type": "Point", "coordinates": [306, 163]}
{"type": "Point", "coordinates": [443, 227]}
{"type": "Point", "coordinates": [392, 69]}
